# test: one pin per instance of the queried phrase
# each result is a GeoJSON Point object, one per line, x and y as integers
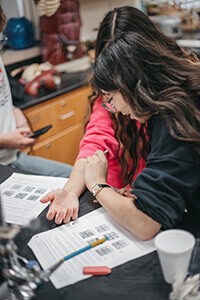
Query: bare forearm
{"type": "Point", "coordinates": [20, 119]}
{"type": "Point", "coordinates": [76, 183]}
{"type": "Point", "coordinates": [123, 210]}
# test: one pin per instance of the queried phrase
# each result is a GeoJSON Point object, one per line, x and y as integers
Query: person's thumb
{"type": "Point", "coordinates": [24, 130]}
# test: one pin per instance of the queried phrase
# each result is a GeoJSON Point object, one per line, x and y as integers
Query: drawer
{"type": "Point", "coordinates": [63, 147]}
{"type": "Point", "coordinates": [62, 112]}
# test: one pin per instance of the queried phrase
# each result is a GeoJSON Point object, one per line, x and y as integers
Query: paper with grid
{"type": "Point", "coordinates": [54, 244]}
{"type": "Point", "coordinates": [21, 194]}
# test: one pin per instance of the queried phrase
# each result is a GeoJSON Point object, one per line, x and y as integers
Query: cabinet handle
{"type": "Point", "coordinates": [66, 116]}
{"type": "Point", "coordinates": [48, 145]}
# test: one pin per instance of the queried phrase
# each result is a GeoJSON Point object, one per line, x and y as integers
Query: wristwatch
{"type": "Point", "coordinates": [97, 188]}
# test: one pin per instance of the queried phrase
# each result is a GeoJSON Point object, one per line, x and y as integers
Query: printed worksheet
{"type": "Point", "coordinates": [54, 244]}
{"type": "Point", "coordinates": [21, 194]}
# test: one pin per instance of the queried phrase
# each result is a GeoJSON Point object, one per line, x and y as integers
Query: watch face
{"type": "Point", "coordinates": [95, 189]}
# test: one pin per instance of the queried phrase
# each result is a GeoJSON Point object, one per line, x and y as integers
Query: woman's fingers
{"type": "Point", "coordinates": [62, 216]}
{"type": "Point", "coordinates": [49, 197]}
{"type": "Point", "coordinates": [121, 191]}
{"type": "Point", "coordinates": [50, 214]}
{"type": "Point", "coordinates": [75, 214]}
{"type": "Point", "coordinates": [130, 195]}
{"type": "Point", "coordinates": [68, 216]}
{"type": "Point", "coordinates": [59, 217]}
{"type": "Point", "coordinates": [64, 206]}
{"type": "Point", "coordinates": [90, 159]}
{"type": "Point", "coordinates": [95, 157]}
{"type": "Point", "coordinates": [100, 154]}
{"type": "Point", "coordinates": [126, 192]}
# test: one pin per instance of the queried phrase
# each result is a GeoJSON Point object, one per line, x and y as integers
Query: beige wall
{"type": "Point", "coordinates": [92, 12]}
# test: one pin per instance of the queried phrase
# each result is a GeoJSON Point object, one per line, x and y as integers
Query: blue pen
{"type": "Point", "coordinates": [92, 245]}
{"type": "Point", "coordinates": [61, 260]}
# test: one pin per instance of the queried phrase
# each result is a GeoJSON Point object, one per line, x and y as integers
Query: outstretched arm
{"type": "Point", "coordinates": [76, 183]}
{"type": "Point", "coordinates": [64, 202]}
{"type": "Point", "coordinates": [99, 135]}
{"type": "Point", "coordinates": [121, 208]}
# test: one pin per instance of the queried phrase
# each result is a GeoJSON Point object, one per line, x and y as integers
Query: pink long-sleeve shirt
{"type": "Point", "coordinates": [100, 135]}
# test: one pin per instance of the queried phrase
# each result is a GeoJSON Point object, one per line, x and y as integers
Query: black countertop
{"type": "Point", "coordinates": [70, 81]}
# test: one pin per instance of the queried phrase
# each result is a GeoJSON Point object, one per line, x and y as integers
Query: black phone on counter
{"type": "Point", "coordinates": [40, 131]}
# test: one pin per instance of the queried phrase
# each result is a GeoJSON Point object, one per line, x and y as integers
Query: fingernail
{"type": "Point", "coordinates": [49, 215]}
{"type": "Point", "coordinates": [75, 217]}
{"type": "Point", "coordinates": [58, 221]}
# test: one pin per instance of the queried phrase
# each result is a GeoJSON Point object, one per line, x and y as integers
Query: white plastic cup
{"type": "Point", "coordinates": [174, 249]}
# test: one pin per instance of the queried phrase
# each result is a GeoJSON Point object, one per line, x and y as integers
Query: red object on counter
{"type": "Point", "coordinates": [96, 270]}
{"type": "Point", "coordinates": [50, 79]}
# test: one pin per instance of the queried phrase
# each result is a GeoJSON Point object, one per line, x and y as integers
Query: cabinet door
{"type": "Point", "coordinates": [63, 146]}
{"type": "Point", "coordinates": [66, 113]}
{"type": "Point", "coordinates": [62, 112]}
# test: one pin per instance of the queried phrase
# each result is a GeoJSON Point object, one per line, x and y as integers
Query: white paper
{"type": "Point", "coordinates": [54, 244]}
{"type": "Point", "coordinates": [21, 196]}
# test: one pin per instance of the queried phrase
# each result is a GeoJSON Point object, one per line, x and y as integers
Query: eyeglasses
{"type": "Point", "coordinates": [108, 105]}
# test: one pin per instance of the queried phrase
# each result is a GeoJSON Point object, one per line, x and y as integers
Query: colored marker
{"type": "Point", "coordinates": [61, 260]}
{"type": "Point", "coordinates": [92, 245]}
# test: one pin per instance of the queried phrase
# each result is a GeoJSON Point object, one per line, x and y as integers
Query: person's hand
{"type": "Point", "coordinates": [19, 138]}
{"type": "Point", "coordinates": [96, 169]}
{"type": "Point", "coordinates": [126, 192]}
{"type": "Point", "coordinates": [64, 206]}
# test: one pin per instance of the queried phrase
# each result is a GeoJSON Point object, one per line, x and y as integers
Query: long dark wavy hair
{"type": "Point", "coordinates": [153, 79]}
{"type": "Point", "coordinates": [113, 38]}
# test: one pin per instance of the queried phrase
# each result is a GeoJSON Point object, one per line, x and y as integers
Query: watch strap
{"type": "Point", "coordinates": [98, 187]}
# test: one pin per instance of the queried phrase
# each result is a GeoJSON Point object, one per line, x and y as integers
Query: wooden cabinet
{"type": "Point", "coordinates": [66, 113]}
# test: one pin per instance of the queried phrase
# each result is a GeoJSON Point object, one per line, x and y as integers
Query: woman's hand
{"type": "Point", "coordinates": [64, 206]}
{"type": "Point", "coordinates": [96, 169]}
{"type": "Point", "coordinates": [126, 192]}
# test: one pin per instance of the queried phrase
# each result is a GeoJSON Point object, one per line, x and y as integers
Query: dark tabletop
{"type": "Point", "coordinates": [139, 279]}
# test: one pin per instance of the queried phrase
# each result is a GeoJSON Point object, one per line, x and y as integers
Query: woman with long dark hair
{"type": "Point", "coordinates": [158, 85]}
{"type": "Point", "coordinates": [133, 143]}
{"type": "Point", "coordinates": [130, 19]}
